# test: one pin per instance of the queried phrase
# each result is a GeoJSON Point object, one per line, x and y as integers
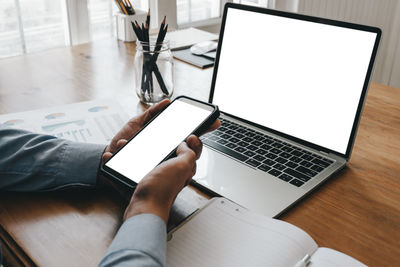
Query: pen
{"type": "Point", "coordinates": [303, 262]}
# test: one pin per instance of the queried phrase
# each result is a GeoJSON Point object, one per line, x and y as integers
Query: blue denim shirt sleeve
{"type": "Point", "coordinates": [141, 241]}
{"type": "Point", "coordinates": [36, 162]}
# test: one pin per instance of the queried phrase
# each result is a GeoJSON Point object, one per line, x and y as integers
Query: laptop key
{"type": "Point", "coordinates": [250, 134]}
{"type": "Point", "coordinates": [234, 140]}
{"type": "Point", "coordinates": [217, 133]}
{"type": "Point", "coordinates": [317, 168]}
{"type": "Point", "coordinates": [222, 129]}
{"type": "Point", "coordinates": [275, 151]}
{"type": "Point", "coordinates": [285, 155]}
{"type": "Point", "coordinates": [230, 132]}
{"type": "Point", "coordinates": [295, 159]}
{"type": "Point", "coordinates": [275, 172]}
{"type": "Point", "coordinates": [306, 164]}
{"type": "Point", "coordinates": [222, 141]}
{"type": "Point", "coordinates": [247, 139]}
{"type": "Point", "coordinates": [253, 162]}
{"type": "Point", "coordinates": [251, 147]}
{"type": "Point", "coordinates": [259, 138]}
{"type": "Point", "coordinates": [296, 182]}
{"type": "Point", "coordinates": [285, 177]}
{"type": "Point", "coordinates": [243, 144]}
{"type": "Point", "coordinates": [287, 149]}
{"type": "Point", "coordinates": [261, 151]}
{"type": "Point", "coordinates": [240, 149]}
{"type": "Point", "coordinates": [266, 147]}
{"type": "Point", "coordinates": [320, 162]}
{"type": "Point", "coordinates": [259, 158]}
{"type": "Point", "coordinates": [269, 162]}
{"type": "Point", "coordinates": [226, 150]}
{"type": "Point", "coordinates": [241, 130]}
{"type": "Point", "coordinates": [297, 153]}
{"type": "Point", "coordinates": [225, 136]}
{"type": "Point", "coordinates": [277, 145]}
{"type": "Point", "coordinates": [233, 127]}
{"type": "Point", "coordinates": [279, 166]}
{"type": "Point", "coordinates": [268, 141]}
{"type": "Point", "coordinates": [271, 156]}
{"type": "Point", "coordinates": [231, 145]}
{"type": "Point", "coordinates": [264, 167]}
{"type": "Point", "coordinates": [307, 157]}
{"type": "Point", "coordinates": [306, 171]}
{"type": "Point", "coordinates": [238, 135]}
{"type": "Point", "coordinates": [297, 174]}
{"type": "Point", "coordinates": [249, 153]}
{"type": "Point", "coordinates": [281, 160]}
{"type": "Point", "coordinates": [214, 138]}
{"type": "Point", "coordinates": [256, 143]}
{"type": "Point", "coordinates": [291, 164]}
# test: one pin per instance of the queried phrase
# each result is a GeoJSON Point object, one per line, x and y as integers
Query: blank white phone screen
{"type": "Point", "coordinates": [146, 150]}
{"type": "Point", "coordinates": [298, 77]}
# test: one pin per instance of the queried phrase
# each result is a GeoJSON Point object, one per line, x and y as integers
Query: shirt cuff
{"type": "Point", "coordinates": [141, 239]}
{"type": "Point", "coordinates": [79, 164]}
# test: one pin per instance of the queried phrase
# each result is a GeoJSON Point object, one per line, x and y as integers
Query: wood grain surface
{"type": "Point", "coordinates": [356, 212]}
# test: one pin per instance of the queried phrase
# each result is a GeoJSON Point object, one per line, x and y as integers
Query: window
{"type": "Point", "coordinates": [189, 11]}
{"type": "Point", "coordinates": [30, 26]}
{"type": "Point", "coordinates": [9, 30]}
{"type": "Point", "coordinates": [34, 25]}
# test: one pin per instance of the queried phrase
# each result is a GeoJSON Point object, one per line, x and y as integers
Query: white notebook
{"type": "Point", "coordinates": [225, 234]}
{"type": "Point", "coordinates": [185, 38]}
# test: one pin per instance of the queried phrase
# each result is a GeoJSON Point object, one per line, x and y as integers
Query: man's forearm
{"type": "Point", "coordinates": [141, 241]}
{"type": "Point", "coordinates": [35, 162]}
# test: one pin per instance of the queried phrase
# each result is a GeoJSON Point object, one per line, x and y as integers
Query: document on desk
{"type": "Point", "coordinates": [184, 38]}
{"type": "Point", "coordinates": [89, 122]}
{"type": "Point", "coordinates": [225, 234]}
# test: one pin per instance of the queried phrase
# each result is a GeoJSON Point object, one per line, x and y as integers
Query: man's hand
{"type": "Point", "coordinates": [157, 191]}
{"type": "Point", "coordinates": [132, 127]}
{"type": "Point", "coordinates": [137, 123]}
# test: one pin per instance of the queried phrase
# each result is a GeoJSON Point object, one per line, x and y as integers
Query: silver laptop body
{"type": "Point", "coordinates": [292, 82]}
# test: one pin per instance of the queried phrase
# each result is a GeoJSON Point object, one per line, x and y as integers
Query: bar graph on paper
{"type": "Point", "coordinates": [89, 122]}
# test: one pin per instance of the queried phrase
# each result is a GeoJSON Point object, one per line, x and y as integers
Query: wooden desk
{"type": "Point", "coordinates": [356, 212]}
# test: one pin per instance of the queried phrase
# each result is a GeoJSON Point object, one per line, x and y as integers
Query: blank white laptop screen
{"type": "Point", "coordinates": [297, 77]}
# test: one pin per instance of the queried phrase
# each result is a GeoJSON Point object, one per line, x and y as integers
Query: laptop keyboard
{"type": "Point", "coordinates": [282, 160]}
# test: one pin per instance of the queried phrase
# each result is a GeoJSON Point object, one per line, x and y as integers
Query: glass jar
{"type": "Point", "coordinates": [153, 71]}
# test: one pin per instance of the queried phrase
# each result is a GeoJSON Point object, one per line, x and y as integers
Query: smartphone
{"type": "Point", "coordinates": [158, 140]}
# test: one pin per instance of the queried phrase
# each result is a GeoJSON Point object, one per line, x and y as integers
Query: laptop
{"type": "Point", "coordinates": [291, 89]}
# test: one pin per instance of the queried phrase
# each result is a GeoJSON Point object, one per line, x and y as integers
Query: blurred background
{"type": "Point", "coordinates": [28, 26]}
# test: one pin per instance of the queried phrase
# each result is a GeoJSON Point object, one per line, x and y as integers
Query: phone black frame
{"type": "Point", "coordinates": [297, 16]}
{"type": "Point", "coordinates": [113, 174]}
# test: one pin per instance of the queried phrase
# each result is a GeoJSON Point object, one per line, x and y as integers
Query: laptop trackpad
{"type": "Point", "coordinates": [251, 188]}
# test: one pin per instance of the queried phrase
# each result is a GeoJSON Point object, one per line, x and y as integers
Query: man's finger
{"type": "Point", "coordinates": [154, 110]}
{"type": "Point", "coordinates": [184, 151]}
{"type": "Point", "coordinates": [106, 156]}
{"type": "Point", "coordinates": [121, 143]}
{"type": "Point", "coordinates": [213, 126]}
{"type": "Point", "coordinates": [195, 144]}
